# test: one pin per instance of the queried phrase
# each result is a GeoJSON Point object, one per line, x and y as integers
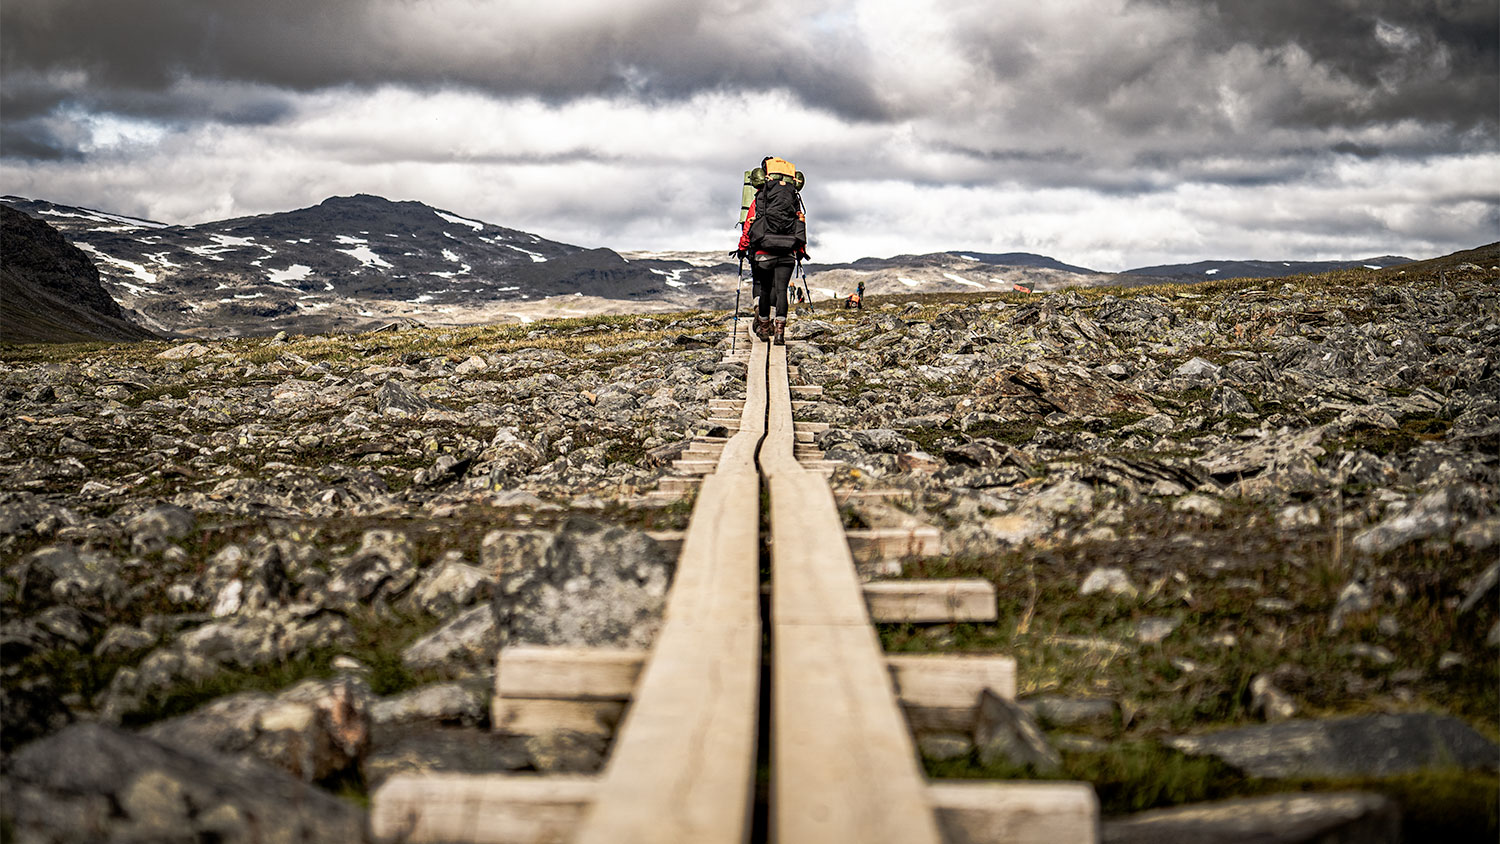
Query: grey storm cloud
{"type": "Point", "coordinates": [1397, 59]}
{"type": "Point", "coordinates": [128, 50]}
{"type": "Point", "coordinates": [1414, 58]}
{"type": "Point", "coordinates": [1008, 121]}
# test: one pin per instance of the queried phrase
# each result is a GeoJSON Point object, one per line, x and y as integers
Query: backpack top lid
{"type": "Point", "coordinates": [775, 170]}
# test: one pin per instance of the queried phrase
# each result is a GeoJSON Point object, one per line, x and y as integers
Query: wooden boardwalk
{"type": "Point", "coordinates": [843, 764]}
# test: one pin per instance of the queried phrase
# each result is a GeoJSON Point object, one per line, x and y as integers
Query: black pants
{"type": "Point", "coordinates": [772, 274]}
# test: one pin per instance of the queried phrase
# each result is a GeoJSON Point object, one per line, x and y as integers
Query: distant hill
{"type": "Point", "coordinates": [1023, 259]}
{"type": "Point", "coordinates": [352, 263]}
{"type": "Point", "coordinates": [50, 290]}
{"type": "Point", "coordinates": [1205, 270]}
{"type": "Point", "coordinates": [1007, 260]}
{"type": "Point", "coordinates": [349, 262]}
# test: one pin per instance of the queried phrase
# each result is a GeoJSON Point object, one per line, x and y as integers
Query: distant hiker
{"type": "Point", "coordinates": [854, 301]}
{"type": "Point", "coordinates": [774, 236]}
{"type": "Point", "coordinates": [860, 290]}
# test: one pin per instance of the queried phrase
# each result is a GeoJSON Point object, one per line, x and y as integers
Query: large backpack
{"type": "Point", "coordinates": [778, 228]}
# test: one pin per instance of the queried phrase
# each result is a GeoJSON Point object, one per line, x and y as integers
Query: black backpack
{"type": "Point", "coordinates": [777, 229]}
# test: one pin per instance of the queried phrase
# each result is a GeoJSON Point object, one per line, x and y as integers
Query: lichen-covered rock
{"type": "Point", "coordinates": [312, 731]}
{"type": "Point", "coordinates": [595, 585]}
{"type": "Point", "coordinates": [1354, 746]}
{"type": "Point", "coordinates": [450, 586]}
{"type": "Point", "coordinates": [438, 703]}
{"type": "Point", "coordinates": [93, 783]}
{"type": "Point", "coordinates": [464, 645]}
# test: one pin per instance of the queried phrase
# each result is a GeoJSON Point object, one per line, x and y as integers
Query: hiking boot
{"type": "Point", "coordinates": [762, 328]}
{"type": "Point", "coordinates": [781, 331]}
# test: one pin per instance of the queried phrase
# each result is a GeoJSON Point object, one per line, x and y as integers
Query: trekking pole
{"type": "Point", "coordinates": [739, 282]}
{"type": "Point", "coordinates": [805, 289]}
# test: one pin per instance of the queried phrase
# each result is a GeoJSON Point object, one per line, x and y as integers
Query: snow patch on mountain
{"type": "Point", "coordinates": [366, 257]}
{"type": "Point", "coordinates": [540, 259]}
{"type": "Point", "coordinates": [473, 224]}
{"type": "Point", "coordinates": [961, 280]}
{"type": "Point", "coordinates": [673, 277]}
{"type": "Point", "coordinates": [135, 269]}
{"type": "Point", "coordinates": [296, 272]}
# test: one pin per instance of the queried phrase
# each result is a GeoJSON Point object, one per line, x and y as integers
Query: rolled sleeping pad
{"type": "Point", "coordinates": [747, 195]}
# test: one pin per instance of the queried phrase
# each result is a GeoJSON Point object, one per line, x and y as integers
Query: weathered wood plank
{"type": "Point", "coordinates": [696, 467]}
{"type": "Point", "coordinates": [844, 767]}
{"type": "Point", "coordinates": [1016, 812]}
{"type": "Point", "coordinates": [683, 764]}
{"type": "Point", "coordinates": [678, 484]}
{"type": "Point", "coordinates": [843, 496]}
{"type": "Point", "coordinates": [533, 671]}
{"type": "Point", "coordinates": [538, 716]}
{"type": "Point", "coordinates": [949, 679]}
{"type": "Point", "coordinates": [923, 680]}
{"type": "Point", "coordinates": [887, 543]}
{"type": "Point", "coordinates": [479, 809]}
{"type": "Point", "coordinates": [931, 601]}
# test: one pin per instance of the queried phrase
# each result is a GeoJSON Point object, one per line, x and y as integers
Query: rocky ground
{"type": "Point", "coordinates": [1234, 506]}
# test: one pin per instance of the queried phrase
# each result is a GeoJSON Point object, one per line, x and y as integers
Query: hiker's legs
{"type": "Point", "coordinates": [762, 273]}
{"type": "Point", "coordinates": [783, 269]}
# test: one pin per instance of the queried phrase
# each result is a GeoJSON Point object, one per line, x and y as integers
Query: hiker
{"type": "Point", "coordinates": [857, 298]}
{"type": "Point", "coordinates": [774, 237]}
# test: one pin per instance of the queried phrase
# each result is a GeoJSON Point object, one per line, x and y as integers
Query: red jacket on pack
{"type": "Point", "coordinates": [745, 230]}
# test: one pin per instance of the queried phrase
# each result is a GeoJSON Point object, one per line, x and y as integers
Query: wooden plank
{"type": "Point", "coordinates": [815, 581]}
{"type": "Point", "coordinates": [889, 543]}
{"type": "Point", "coordinates": [695, 467]}
{"type": "Point", "coordinates": [946, 679]}
{"type": "Point", "coordinates": [931, 601]}
{"type": "Point", "coordinates": [814, 427]}
{"type": "Point", "coordinates": [678, 484]}
{"type": "Point", "coordinates": [479, 809]}
{"type": "Point", "coordinates": [807, 390]}
{"type": "Point", "coordinates": [844, 496]}
{"type": "Point", "coordinates": [683, 768]}
{"type": "Point", "coordinates": [843, 766]}
{"type": "Point", "coordinates": [533, 717]}
{"type": "Point", "coordinates": [683, 764]}
{"type": "Point", "coordinates": [567, 673]}
{"type": "Point", "coordinates": [1016, 812]}
{"type": "Point", "coordinates": [533, 671]}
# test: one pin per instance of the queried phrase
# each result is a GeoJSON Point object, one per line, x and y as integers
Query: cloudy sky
{"type": "Point", "coordinates": [1108, 133]}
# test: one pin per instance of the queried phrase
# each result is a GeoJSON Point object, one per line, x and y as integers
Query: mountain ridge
{"type": "Point", "coordinates": [50, 289]}
{"type": "Point", "coordinates": [347, 263]}
{"type": "Point", "coordinates": [356, 262]}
